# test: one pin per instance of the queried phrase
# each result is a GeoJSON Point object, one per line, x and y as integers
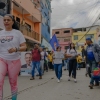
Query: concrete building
{"type": "Point", "coordinates": [98, 35]}
{"type": "Point", "coordinates": [28, 18]}
{"type": "Point", "coordinates": [32, 16]}
{"type": "Point", "coordinates": [79, 36]}
{"type": "Point", "coordinates": [64, 36]}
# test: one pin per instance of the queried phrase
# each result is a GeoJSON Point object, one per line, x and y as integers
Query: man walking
{"type": "Point", "coordinates": [92, 55]}
{"type": "Point", "coordinates": [36, 57]}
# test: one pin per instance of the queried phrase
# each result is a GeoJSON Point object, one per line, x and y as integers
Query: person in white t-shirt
{"type": "Point", "coordinates": [11, 43]}
{"type": "Point", "coordinates": [58, 55]}
{"type": "Point", "coordinates": [42, 61]}
{"type": "Point", "coordinates": [71, 55]}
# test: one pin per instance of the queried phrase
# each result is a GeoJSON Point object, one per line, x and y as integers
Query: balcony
{"type": "Point", "coordinates": [29, 34]}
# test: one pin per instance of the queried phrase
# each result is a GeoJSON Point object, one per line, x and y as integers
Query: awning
{"type": "Point", "coordinates": [46, 44]}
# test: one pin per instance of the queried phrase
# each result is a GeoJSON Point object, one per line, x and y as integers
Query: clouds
{"type": "Point", "coordinates": [74, 13]}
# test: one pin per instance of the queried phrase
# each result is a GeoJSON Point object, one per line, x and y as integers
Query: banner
{"type": "Point", "coordinates": [26, 64]}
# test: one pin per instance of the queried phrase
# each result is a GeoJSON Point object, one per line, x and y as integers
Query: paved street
{"type": "Point", "coordinates": [49, 89]}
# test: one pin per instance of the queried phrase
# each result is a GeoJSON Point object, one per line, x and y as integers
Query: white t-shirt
{"type": "Point", "coordinates": [58, 56]}
{"type": "Point", "coordinates": [8, 40]}
{"type": "Point", "coordinates": [42, 55]}
{"type": "Point", "coordinates": [72, 52]}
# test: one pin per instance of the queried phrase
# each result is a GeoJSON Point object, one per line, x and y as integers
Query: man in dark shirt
{"type": "Point", "coordinates": [36, 57]}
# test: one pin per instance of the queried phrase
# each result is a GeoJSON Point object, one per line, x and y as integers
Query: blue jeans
{"type": "Point", "coordinates": [96, 79]}
{"type": "Point", "coordinates": [36, 64]}
{"type": "Point", "coordinates": [58, 70]}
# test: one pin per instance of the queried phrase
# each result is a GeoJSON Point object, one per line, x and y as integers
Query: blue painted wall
{"type": "Point", "coordinates": [46, 18]}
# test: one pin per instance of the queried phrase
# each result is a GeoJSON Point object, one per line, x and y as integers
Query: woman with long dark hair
{"type": "Point", "coordinates": [58, 56]}
{"type": "Point", "coordinates": [72, 54]}
{"type": "Point", "coordinates": [11, 43]}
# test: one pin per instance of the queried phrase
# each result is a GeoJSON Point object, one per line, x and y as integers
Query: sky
{"type": "Point", "coordinates": [74, 13]}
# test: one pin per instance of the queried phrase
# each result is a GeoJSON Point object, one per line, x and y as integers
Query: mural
{"type": "Point", "coordinates": [46, 18]}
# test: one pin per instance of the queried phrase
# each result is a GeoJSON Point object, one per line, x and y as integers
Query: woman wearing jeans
{"type": "Point", "coordinates": [11, 43]}
{"type": "Point", "coordinates": [58, 56]}
{"type": "Point", "coordinates": [72, 54]}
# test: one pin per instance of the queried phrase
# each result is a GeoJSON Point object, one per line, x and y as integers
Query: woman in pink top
{"type": "Point", "coordinates": [11, 43]}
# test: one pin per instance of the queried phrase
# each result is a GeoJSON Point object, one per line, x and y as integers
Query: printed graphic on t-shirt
{"type": "Point", "coordinates": [4, 39]}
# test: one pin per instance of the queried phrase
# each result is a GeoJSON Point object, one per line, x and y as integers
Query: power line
{"type": "Point", "coordinates": [76, 4]}
{"type": "Point", "coordinates": [91, 26]}
{"type": "Point", "coordinates": [79, 16]}
{"type": "Point", "coordinates": [91, 11]}
{"type": "Point", "coordinates": [76, 12]}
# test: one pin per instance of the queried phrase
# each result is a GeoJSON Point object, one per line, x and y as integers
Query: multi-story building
{"type": "Point", "coordinates": [64, 36]}
{"type": "Point", "coordinates": [28, 18]}
{"type": "Point", "coordinates": [32, 16]}
{"type": "Point", "coordinates": [44, 6]}
{"type": "Point", "coordinates": [79, 36]}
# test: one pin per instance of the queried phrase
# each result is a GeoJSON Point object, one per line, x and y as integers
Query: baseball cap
{"type": "Point", "coordinates": [88, 38]}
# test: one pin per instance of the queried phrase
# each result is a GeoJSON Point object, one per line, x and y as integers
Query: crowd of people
{"type": "Point", "coordinates": [12, 42]}
{"type": "Point", "coordinates": [43, 60]}
{"type": "Point", "coordinates": [89, 58]}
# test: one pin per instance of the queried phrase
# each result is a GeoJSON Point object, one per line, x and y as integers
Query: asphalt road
{"type": "Point", "coordinates": [49, 89]}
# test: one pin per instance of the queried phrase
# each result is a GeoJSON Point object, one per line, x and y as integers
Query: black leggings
{"type": "Point", "coordinates": [72, 67]}
{"type": "Point", "coordinates": [50, 65]}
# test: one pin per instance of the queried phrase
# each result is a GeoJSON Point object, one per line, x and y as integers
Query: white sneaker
{"type": "Point", "coordinates": [58, 81]}
{"type": "Point", "coordinates": [75, 80]}
{"type": "Point", "coordinates": [69, 79]}
{"type": "Point", "coordinates": [61, 78]}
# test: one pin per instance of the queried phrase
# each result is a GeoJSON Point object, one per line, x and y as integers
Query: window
{"type": "Point", "coordinates": [57, 32]}
{"type": "Point", "coordinates": [67, 31]}
{"type": "Point", "coordinates": [76, 37]}
{"type": "Point", "coordinates": [28, 27]}
{"type": "Point", "coordinates": [77, 47]}
{"type": "Point", "coordinates": [90, 36]}
{"type": "Point", "coordinates": [14, 17]}
{"type": "Point", "coordinates": [58, 40]}
{"type": "Point", "coordinates": [66, 40]}
{"type": "Point", "coordinates": [18, 19]}
{"type": "Point", "coordinates": [84, 29]}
